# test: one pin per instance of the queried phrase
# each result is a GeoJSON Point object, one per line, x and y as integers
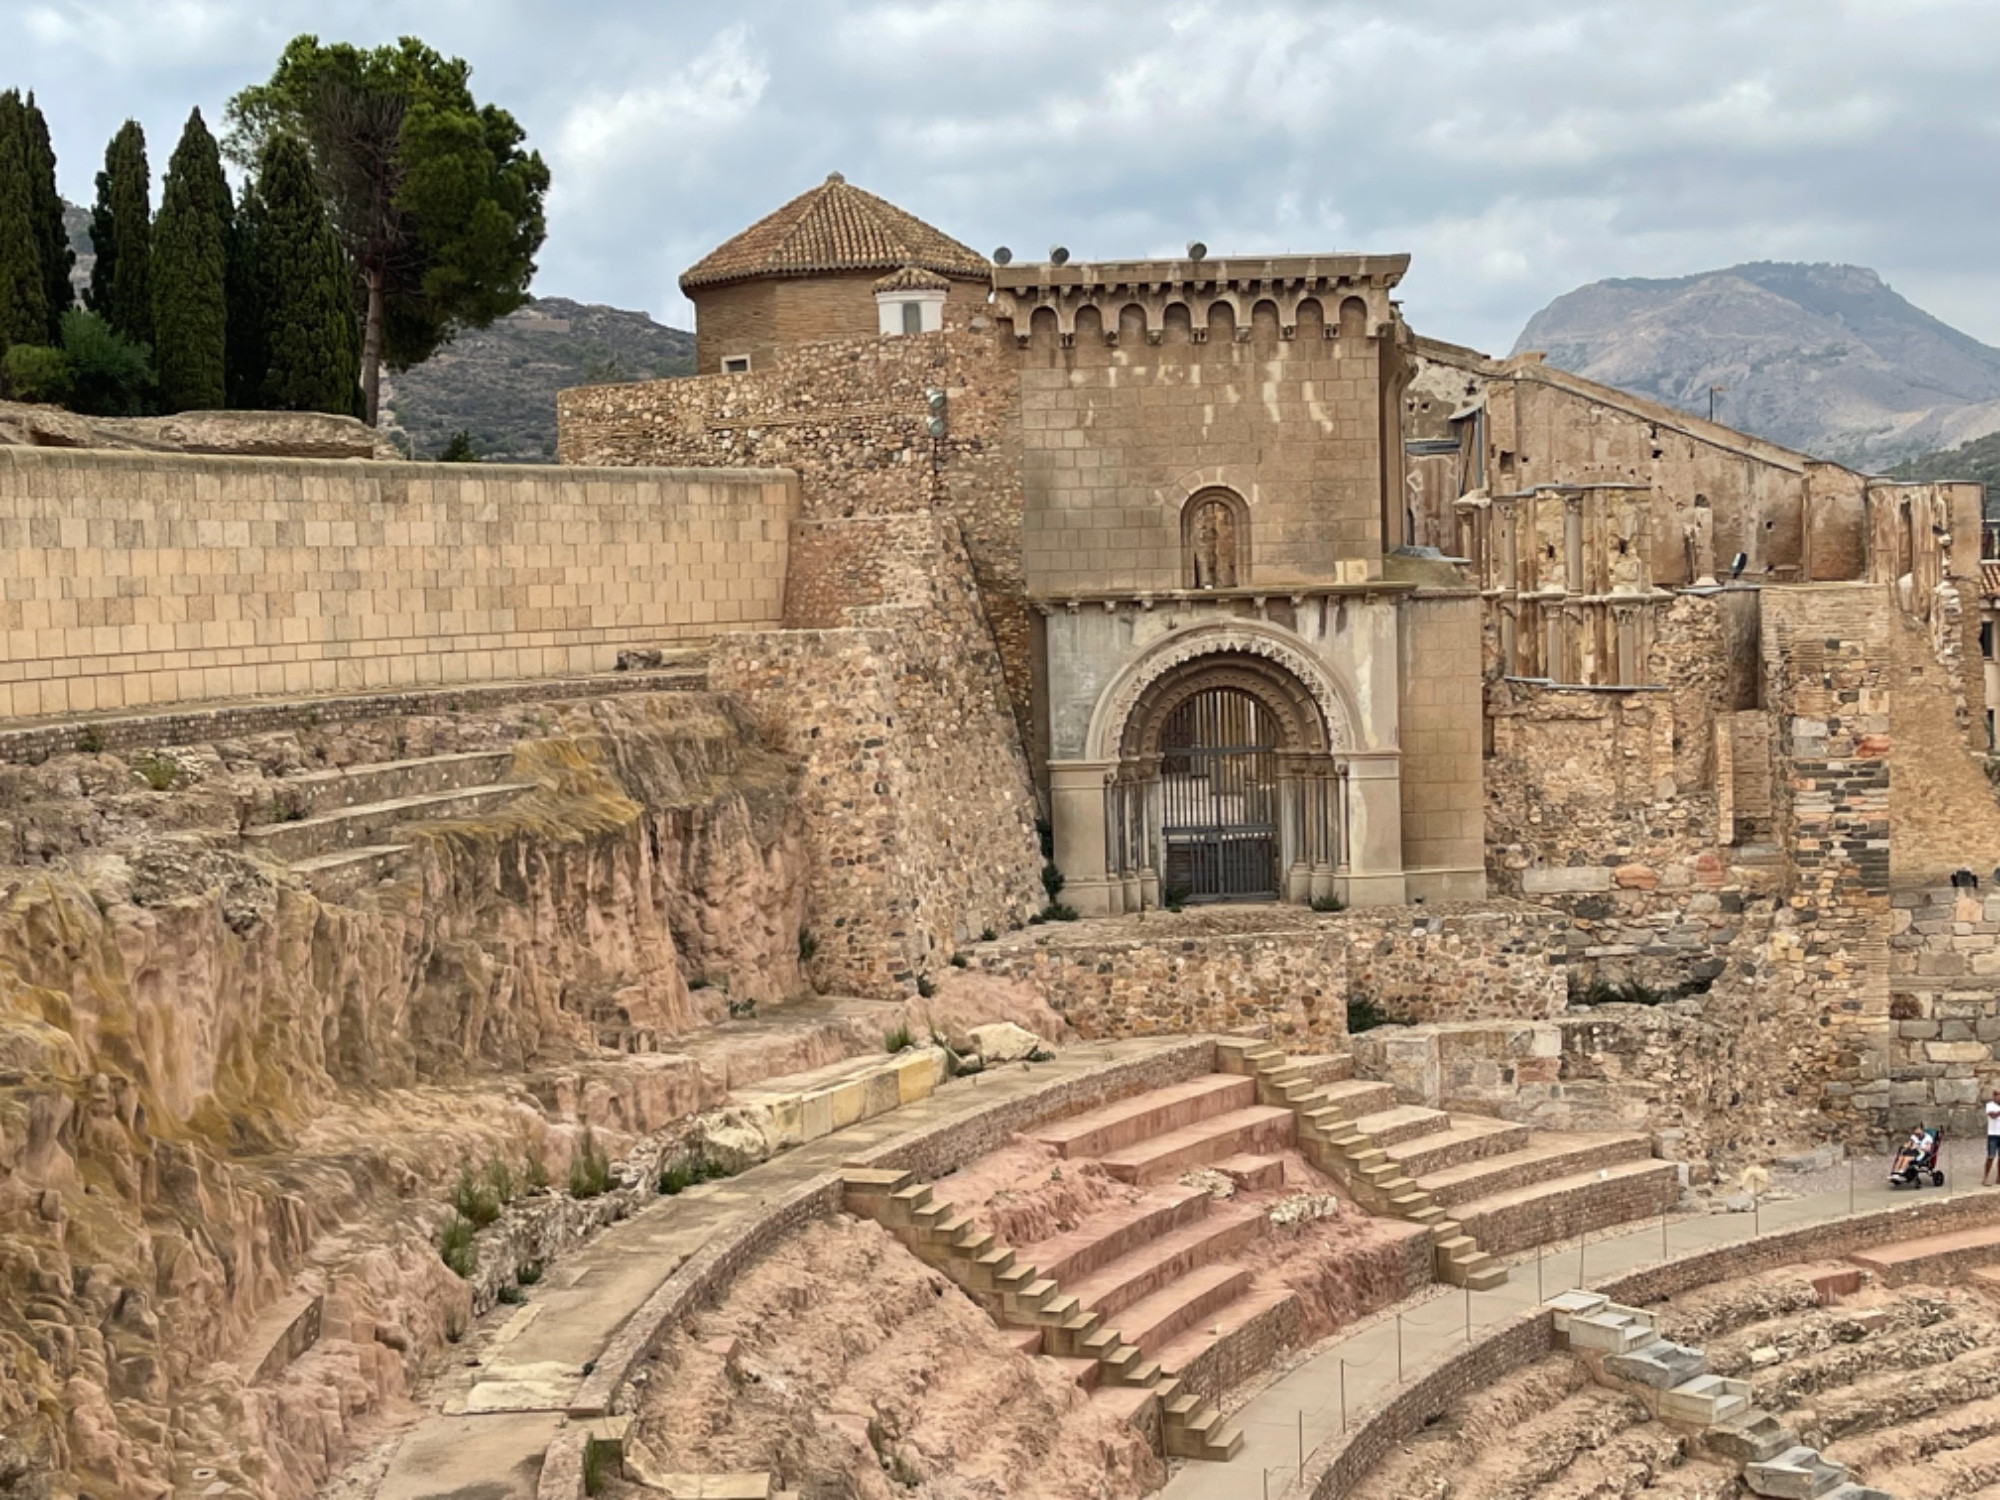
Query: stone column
{"type": "Point", "coordinates": [1374, 831]}
{"type": "Point", "coordinates": [1077, 812]}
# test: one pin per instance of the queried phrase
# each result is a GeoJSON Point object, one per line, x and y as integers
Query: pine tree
{"type": "Point", "coordinates": [190, 274]}
{"type": "Point", "coordinates": [52, 244]}
{"type": "Point", "coordinates": [121, 229]}
{"type": "Point", "coordinates": [305, 289]}
{"type": "Point", "coordinates": [24, 300]}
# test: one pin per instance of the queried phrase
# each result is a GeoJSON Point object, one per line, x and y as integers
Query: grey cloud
{"type": "Point", "coordinates": [1514, 151]}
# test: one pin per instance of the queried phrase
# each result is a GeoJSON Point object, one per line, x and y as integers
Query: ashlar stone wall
{"type": "Point", "coordinates": [135, 579]}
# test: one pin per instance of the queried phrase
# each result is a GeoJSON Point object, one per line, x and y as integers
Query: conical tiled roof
{"type": "Point", "coordinates": [834, 227]}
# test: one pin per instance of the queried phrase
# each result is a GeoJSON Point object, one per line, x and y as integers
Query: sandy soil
{"type": "Point", "coordinates": [848, 1368]}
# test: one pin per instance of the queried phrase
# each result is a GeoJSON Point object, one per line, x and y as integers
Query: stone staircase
{"type": "Point", "coordinates": [1624, 1351]}
{"type": "Point", "coordinates": [337, 829]}
{"type": "Point", "coordinates": [1484, 1187]}
{"type": "Point", "coordinates": [1121, 1268]}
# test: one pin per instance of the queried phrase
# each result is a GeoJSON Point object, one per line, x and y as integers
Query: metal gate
{"type": "Point", "coordinates": [1219, 819]}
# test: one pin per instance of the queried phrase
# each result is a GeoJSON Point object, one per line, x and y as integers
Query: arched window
{"type": "Point", "coordinates": [1215, 539]}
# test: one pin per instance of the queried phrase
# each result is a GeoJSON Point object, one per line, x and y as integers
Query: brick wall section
{"type": "Point", "coordinates": [915, 789]}
{"type": "Point", "coordinates": [850, 418]}
{"type": "Point", "coordinates": [1444, 811]}
{"type": "Point", "coordinates": [764, 318]}
{"type": "Point", "coordinates": [135, 579]}
{"type": "Point", "coordinates": [1824, 649]}
{"type": "Point", "coordinates": [1944, 1004]}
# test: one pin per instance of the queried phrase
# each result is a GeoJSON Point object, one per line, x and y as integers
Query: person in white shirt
{"type": "Point", "coordinates": [1991, 1175]}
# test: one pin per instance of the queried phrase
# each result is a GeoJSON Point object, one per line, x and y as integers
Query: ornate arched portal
{"type": "Point", "coordinates": [1229, 777]}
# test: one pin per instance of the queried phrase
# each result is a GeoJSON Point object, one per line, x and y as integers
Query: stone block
{"type": "Point", "coordinates": [917, 1076]}
{"type": "Point", "coordinates": [1949, 1052]}
{"type": "Point", "coordinates": [816, 1115]}
{"type": "Point", "coordinates": [1565, 881]}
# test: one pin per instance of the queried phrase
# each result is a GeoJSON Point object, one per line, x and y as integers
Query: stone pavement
{"type": "Point", "coordinates": [492, 1420]}
{"type": "Point", "coordinates": [1295, 1412]}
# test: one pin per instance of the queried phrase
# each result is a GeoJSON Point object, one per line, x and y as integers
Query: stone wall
{"type": "Point", "coordinates": [1285, 972]}
{"type": "Point", "coordinates": [850, 417]}
{"type": "Point", "coordinates": [918, 802]}
{"type": "Point", "coordinates": [763, 318]}
{"type": "Point", "coordinates": [1944, 975]}
{"type": "Point", "coordinates": [160, 578]}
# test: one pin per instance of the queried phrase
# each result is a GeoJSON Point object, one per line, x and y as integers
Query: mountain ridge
{"type": "Point", "coordinates": [1822, 357]}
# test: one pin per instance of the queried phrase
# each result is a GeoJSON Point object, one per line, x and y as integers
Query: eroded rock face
{"type": "Point", "coordinates": [217, 1087]}
{"type": "Point", "coordinates": [248, 434]}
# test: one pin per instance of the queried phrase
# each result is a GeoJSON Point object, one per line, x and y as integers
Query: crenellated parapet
{"type": "Point", "coordinates": [1321, 296]}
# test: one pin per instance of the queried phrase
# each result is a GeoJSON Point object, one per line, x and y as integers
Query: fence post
{"type": "Point", "coordinates": [1343, 1398]}
{"type": "Point", "coordinates": [1399, 1348]}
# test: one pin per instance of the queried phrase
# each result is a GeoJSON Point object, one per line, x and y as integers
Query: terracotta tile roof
{"type": "Point", "coordinates": [1989, 579]}
{"type": "Point", "coordinates": [913, 279]}
{"type": "Point", "coordinates": [834, 227]}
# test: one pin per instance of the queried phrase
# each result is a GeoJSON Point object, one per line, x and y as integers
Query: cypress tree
{"type": "Point", "coordinates": [121, 229]}
{"type": "Point", "coordinates": [190, 274]}
{"type": "Point", "coordinates": [24, 300]}
{"type": "Point", "coordinates": [305, 289]}
{"type": "Point", "coordinates": [249, 346]}
{"type": "Point", "coordinates": [51, 234]}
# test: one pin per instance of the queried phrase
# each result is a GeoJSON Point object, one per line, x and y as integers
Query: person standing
{"type": "Point", "coordinates": [1991, 1175]}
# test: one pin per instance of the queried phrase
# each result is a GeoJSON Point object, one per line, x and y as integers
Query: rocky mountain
{"type": "Point", "coordinates": [499, 384]}
{"type": "Point", "coordinates": [1824, 358]}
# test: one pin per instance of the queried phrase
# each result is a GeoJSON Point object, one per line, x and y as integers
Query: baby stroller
{"type": "Point", "coordinates": [1917, 1160]}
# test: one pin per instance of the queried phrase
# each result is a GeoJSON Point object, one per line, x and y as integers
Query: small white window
{"type": "Point", "coordinates": [735, 364]}
{"type": "Point", "coordinates": [913, 317]}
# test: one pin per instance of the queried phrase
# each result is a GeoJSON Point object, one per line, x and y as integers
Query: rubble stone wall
{"type": "Point", "coordinates": [137, 579]}
{"type": "Point", "coordinates": [851, 418]}
{"type": "Point", "coordinates": [917, 797]}
{"type": "Point", "coordinates": [1944, 974]}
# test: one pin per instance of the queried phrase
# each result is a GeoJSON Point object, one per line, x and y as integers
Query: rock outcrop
{"type": "Point", "coordinates": [244, 434]}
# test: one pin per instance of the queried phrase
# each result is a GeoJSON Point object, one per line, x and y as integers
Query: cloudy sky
{"type": "Point", "coordinates": [1515, 150]}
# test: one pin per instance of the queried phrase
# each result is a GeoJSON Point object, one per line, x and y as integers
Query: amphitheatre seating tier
{"type": "Point", "coordinates": [1936, 1258]}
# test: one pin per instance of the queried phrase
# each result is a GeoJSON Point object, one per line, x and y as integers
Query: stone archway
{"type": "Point", "coordinates": [1227, 773]}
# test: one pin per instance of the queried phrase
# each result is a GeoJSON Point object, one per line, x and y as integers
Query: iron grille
{"type": "Point", "coordinates": [1219, 775]}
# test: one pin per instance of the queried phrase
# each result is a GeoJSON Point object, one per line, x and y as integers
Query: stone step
{"type": "Point", "coordinates": [1259, 1320]}
{"type": "Point", "coordinates": [345, 871]}
{"type": "Point", "coordinates": [1402, 1122]}
{"type": "Point", "coordinates": [1707, 1401]}
{"type": "Point", "coordinates": [316, 792]}
{"type": "Point", "coordinates": [1196, 1429]}
{"type": "Point", "coordinates": [1257, 1130]}
{"type": "Point", "coordinates": [1150, 1267]}
{"type": "Point", "coordinates": [1937, 1259]}
{"type": "Point", "coordinates": [1143, 1116]}
{"type": "Point", "coordinates": [1347, 1100]}
{"type": "Point", "coordinates": [1796, 1474]}
{"type": "Point", "coordinates": [1484, 1278]}
{"type": "Point", "coordinates": [1752, 1437]}
{"type": "Point", "coordinates": [1612, 1329]}
{"type": "Point", "coordinates": [1323, 1067]}
{"type": "Point", "coordinates": [1153, 1322]}
{"type": "Point", "coordinates": [1466, 1138]}
{"type": "Point", "coordinates": [1246, 1055]}
{"type": "Point", "coordinates": [1254, 1174]}
{"type": "Point", "coordinates": [1102, 1238]}
{"type": "Point", "coordinates": [1023, 1340]}
{"type": "Point", "coordinates": [1564, 1207]}
{"type": "Point", "coordinates": [1661, 1365]}
{"type": "Point", "coordinates": [1546, 1157]}
{"type": "Point", "coordinates": [364, 823]}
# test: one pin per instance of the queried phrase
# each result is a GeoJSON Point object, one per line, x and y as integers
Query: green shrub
{"type": "Point", "coordinates": [1175, 897]}
{"type": "Point", "coordinates": [590, 1172]}
{"type": "Point", "coordinates": [110, 375]}
{"type": "Point", "coordinates": [678, 1178]}
{"type": "Point", "coordinates": [808, 945]}
{"type": "Point", "coordinates": [456, 1249]}
{"type": "Point", "coordinates": [536, 1172]}
{"type": "Point", "coordinates": [529, 1273]}
{"type": "Point", "coordinates": [698, 982]}
{"type": "Point", "coordinates": [458, 449]}
{"type": "Point", "coordinates": [897, 1041]}
{"type": "Point", "coordinates": [742, 1010]}
{"type": "Point", "coordinates": [987, 934]}
{"type": "Point", "coordinates": [1057, 911]}
{"type": "Point", "coordinates": [34, 372]}
{"type": "Point", "coordinates": [511, 1295]}
{"type": "Point", "coordinates": [474, 1199]}
{"type": "Point", "coordinates": [500, 1178]}
{"type": "Point", "coordinates": [960, 961]}
{"type": "Point", "coordinates": [158, 771]}
{"type": "Point", "coordinates": [1364, 1014]}
{"type": "Point", "coordinates": [925, 989]}
{"type": "Point", "coordinates": [1328, 903]}
{"type": "Point", "coordinates": [90, 741]}
{"type": "Point", "coordinates": [1052, 881]}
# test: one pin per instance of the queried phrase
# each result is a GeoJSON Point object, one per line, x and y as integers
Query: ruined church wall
{"type": "Point", "coordinates": [918, 804]}
{"type": "Point", "coordinates": [850, 418]}
{"type": "Point", "coordinates": [1943, 1057]}
{"type": "Point", "coordinates": [137, 579]}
